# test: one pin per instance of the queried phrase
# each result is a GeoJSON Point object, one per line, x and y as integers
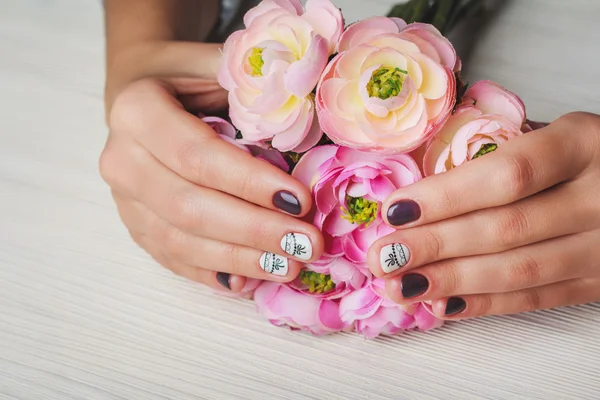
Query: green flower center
{"type": "Point", "coordinates": [256, 61]}
{"type": "Point", "coordinates": [486, 148]}
{"type": "Point", "coordinates": [386, 82]}
{"type": "Point", "coordinates": [359, 210]}
{"type": "Point", "coordinates": [317, 283]}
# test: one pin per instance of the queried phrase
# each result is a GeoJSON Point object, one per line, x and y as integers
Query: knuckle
{"type": "Point", "coordinates": [193, 160]}
{"type": "Point", "coordinates": [509, 229]}
{"type": "Point", "coordinates": [518, 176]}
{"type": "Point", "coordinates": [526, 272]}
{"type": "Point", "coordinates": [481, 305]}
{"type": "Point", "coordinates": [434, 244]}
{"type": "Point", "coordinates": [530, 300]}
{"type": "Point", "coordinates": [108, 165]}
{"type": "Point", "coordinates": [447, 278]}
{"type": "Point", "coordinates": [448, 201]}
{"type": "Point", "coordinates": [129, 109]}
{"type": "Point", "coordinates": [187, 211]}
{"type": "Point", "coordinates": [173, 242]}
{"type": "Point", "coordinates": [237, 263]}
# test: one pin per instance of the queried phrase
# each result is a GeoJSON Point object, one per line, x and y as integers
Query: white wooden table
{"type": "Point", "coordinates": [85, 314]}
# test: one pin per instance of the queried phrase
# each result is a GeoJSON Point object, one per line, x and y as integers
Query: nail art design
{"type": "Point", "coordinates": [394, 256]}
{"type": "Point", "coordinates": [274, 264]}
{"type": "Point", "coordinates": [297, 245]}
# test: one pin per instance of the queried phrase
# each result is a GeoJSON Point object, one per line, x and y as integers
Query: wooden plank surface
{"type": "Point", "coordinates": [84, 314]}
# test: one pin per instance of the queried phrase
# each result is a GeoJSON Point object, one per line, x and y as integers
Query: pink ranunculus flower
{"type": "Point", "coordinates": [391, 87]}
{"type": "Point", "coordinates": [488, 116]}
{"type": "Point", "coordinates": [373, 314]}
{"type": "Point", "coordinates": [272, 67]}
{"type": "Point", "coordinates": [283, 305]}
{"type": "Point", "coordinates": [227, 132]}
{"type": "Point", "coordinates": [346, 274]}
{"type": "Point", "coordinates": [349, 186]}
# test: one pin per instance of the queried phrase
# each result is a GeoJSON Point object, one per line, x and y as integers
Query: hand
{"type": "Point", "coordinates": [200, 206]}
{"type": "Point", "coordinates": [516, 230]}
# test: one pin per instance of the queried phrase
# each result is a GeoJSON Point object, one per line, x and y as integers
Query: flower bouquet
{"type": "Point", "coordinates": [354, 113]}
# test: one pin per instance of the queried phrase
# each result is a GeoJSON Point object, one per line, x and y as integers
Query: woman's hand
{"type": "Point", "coordinates": [199, 205]}
{"type": "Point", "coordinates": [516, 230]}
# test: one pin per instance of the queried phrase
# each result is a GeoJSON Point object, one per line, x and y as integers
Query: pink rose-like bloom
{"type": "Point", "coordinates": [346, 274]}
{"type": "Point", "coordinates": [373, 314]}
{"type": "Point", "coordinates": [271, 68]}
{"type": "Point", "coordinates": [283, 305]}
{"type": "Point", "coordinates": [391, 87]}
{"type": "Point", "coordinates": [227, 132]}
{"type": "Point", "coordinates": [348, 187]}
{"type": "Point", "coordinates": [488, 116]}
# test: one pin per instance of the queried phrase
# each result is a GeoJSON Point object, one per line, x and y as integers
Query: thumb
{"type": "Point", "coordinates": [187, 60]}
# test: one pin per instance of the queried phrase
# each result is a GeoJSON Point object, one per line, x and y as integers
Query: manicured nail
{"type": "Point", "coordinates": [403, 212]}
{"type": "Point", "coordinates": [413, 285]}
{"type": "Point", "coordinates": [297, 245]}
{"type": "Point", "coordinates": [287, 202]}
{"type": "Point", "coordinates": [454, 306]}
{"type": "Point", "coordinates": [274, 264]}
{"type": "Point", "coordinates": [223, 279]}
{"type": "Point", "coordinates": [393, 256]}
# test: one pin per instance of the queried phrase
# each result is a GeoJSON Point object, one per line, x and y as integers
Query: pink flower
{"type": "Point", "coordinates": [272, 67]}
{"type": "Point", "coordinates": [373, 314]}
{"type": "Point", "coordinates": [346, 274]}
{"type": "Point", "coordinates": [284, 305]}
{"type": "Point", "coordinates": [348, 187]}
{"type": "Point", "coordinates": [227, 132]}
{"type": "Point", "coordinates": [488, 116]}
{"type": "Point", "coordinates": [391, 87]}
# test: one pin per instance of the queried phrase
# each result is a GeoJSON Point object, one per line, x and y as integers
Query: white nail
{"type": "Point", "coordinates": [297, 245]}
{"type": "Point", "coordinates": [394, 256]}
{"type": "Point", "coordinates": [274, 264]}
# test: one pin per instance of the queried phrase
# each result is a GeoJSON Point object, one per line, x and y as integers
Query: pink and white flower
{"type": "Point", "coordinates": [272, 67]}
{"type": "Point", "coordinates": [283, 305]}
{"type": "Point", "coordinates": [488, 116]}
{"type": "Point", "coordinates": [348, 187]}
{"type": "Point", "coordinates": [373, 314]}
{"type": "Point", "coordinates": [391, 87]}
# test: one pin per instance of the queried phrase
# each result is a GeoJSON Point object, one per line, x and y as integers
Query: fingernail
{"type": "Point", "coordinates": [274, 264]}
{"type": "Point", "coordinates": [454, 306]}
{"type": "Point", "coordinates": [413, 285]}
{"type": "Point", "coordinates": [393, 256]}
{"type": "Point", "coordinates": [403, 212]}
{"type": "Point", "coordinates": [223, 279]}
{"type": "Point", "coordinates": [287, 202]}
{"type": "Point", "coordinates": [297, 245]}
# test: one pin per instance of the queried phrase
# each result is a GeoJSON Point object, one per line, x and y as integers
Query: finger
{"type": "Point", "coordinates": [219, 281]}
{"type": "Point", "coordinates": [567, 293]}
{"type": "Point", "coordinates": [206, 253]}
{"type": "Point", "coordinates": [215, 215]}
{"type": "Point", "coordinates": [488, 231]}
{"type": "Point", "coordinates": [519, 168]}
{"type": "Point", "coordinates": [531, 266]}
{"type": "Point", "coordinates": [192, 150]}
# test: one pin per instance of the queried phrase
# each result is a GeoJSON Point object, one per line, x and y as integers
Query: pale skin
{"type": "Point", "coordinates": [513, 231]}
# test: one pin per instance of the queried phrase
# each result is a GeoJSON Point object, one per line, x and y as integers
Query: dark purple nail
{"type": "Point", "coordinates": [223, 279]}
{"type": "Point", "coordinates": [413, 285]}
{"type": "Point", "coordinates": [454, 306]}
{"type": "Point", "coordinates": [287, 202]}
{"type": "Point", "coordinates": [403, 212]}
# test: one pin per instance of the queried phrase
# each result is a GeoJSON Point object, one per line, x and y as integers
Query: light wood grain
{"type": "Point", "coordinates": [84, 314]}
